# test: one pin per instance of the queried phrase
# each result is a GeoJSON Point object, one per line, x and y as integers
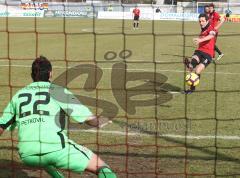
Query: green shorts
{"type": "Point", "coordinates": [73, 157]}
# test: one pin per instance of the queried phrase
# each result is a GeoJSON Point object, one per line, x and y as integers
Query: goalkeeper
{"type": "Point", "coordinates": [40, 120]}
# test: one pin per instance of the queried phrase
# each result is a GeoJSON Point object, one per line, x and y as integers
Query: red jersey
{"type": "Point", "coordinates": [136, 12]}
{"type": "Point", "coordinates": [207, 46]}
{"type": "Point", "coordinates": [214, 18]}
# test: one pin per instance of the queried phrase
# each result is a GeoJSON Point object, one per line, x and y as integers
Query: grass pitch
{"type": "Point", "coordinates": [185, 136]}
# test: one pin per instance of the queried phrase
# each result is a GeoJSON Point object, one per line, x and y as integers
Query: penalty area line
{"type": "Point", "coordinates": [139, 69]}
{"type": "Point", "coordinates": [194, 137]}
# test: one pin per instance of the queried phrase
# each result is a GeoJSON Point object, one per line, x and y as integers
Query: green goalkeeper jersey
{"type": "Point", "coordinates": [38, 111]}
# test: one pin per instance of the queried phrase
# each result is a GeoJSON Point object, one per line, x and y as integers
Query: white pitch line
{"type": "Point", "coordinates": [175, 92]}
{"type": "Point", "coordinates": [197, 137]}
{"type": "Point", "coordinates": [176, 71]}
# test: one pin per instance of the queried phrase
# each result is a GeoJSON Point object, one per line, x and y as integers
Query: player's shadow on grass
{"type": "Point", "coordinates": [10, 169]}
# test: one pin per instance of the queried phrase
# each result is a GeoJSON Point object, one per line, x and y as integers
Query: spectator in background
{"type": "Point", "coordinates": [110, 8]}
{"type": "Point", "coordinates": [158, 10]}
{"type": "Point", "coordinates": [88, 8]}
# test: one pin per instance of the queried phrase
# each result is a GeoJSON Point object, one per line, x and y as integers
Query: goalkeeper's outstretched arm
{"type": "Point", "coordinates": [99, 122]}
{"type": "Point", "coordinates": [75, 109]}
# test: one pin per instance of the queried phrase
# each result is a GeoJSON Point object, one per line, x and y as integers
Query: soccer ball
{"type": "Point", "coordinates": [192, 79]}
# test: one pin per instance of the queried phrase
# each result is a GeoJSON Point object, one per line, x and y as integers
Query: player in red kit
{"type": "Point", "coordinates": [136, 15]}
{"type": "Point", "coordinates": [204, 53]}
{"type": "Point", "coordinates": [216, 22]}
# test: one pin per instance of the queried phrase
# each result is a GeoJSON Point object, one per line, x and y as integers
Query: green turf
{"type": "Point", "coordinates": [156, 145]}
